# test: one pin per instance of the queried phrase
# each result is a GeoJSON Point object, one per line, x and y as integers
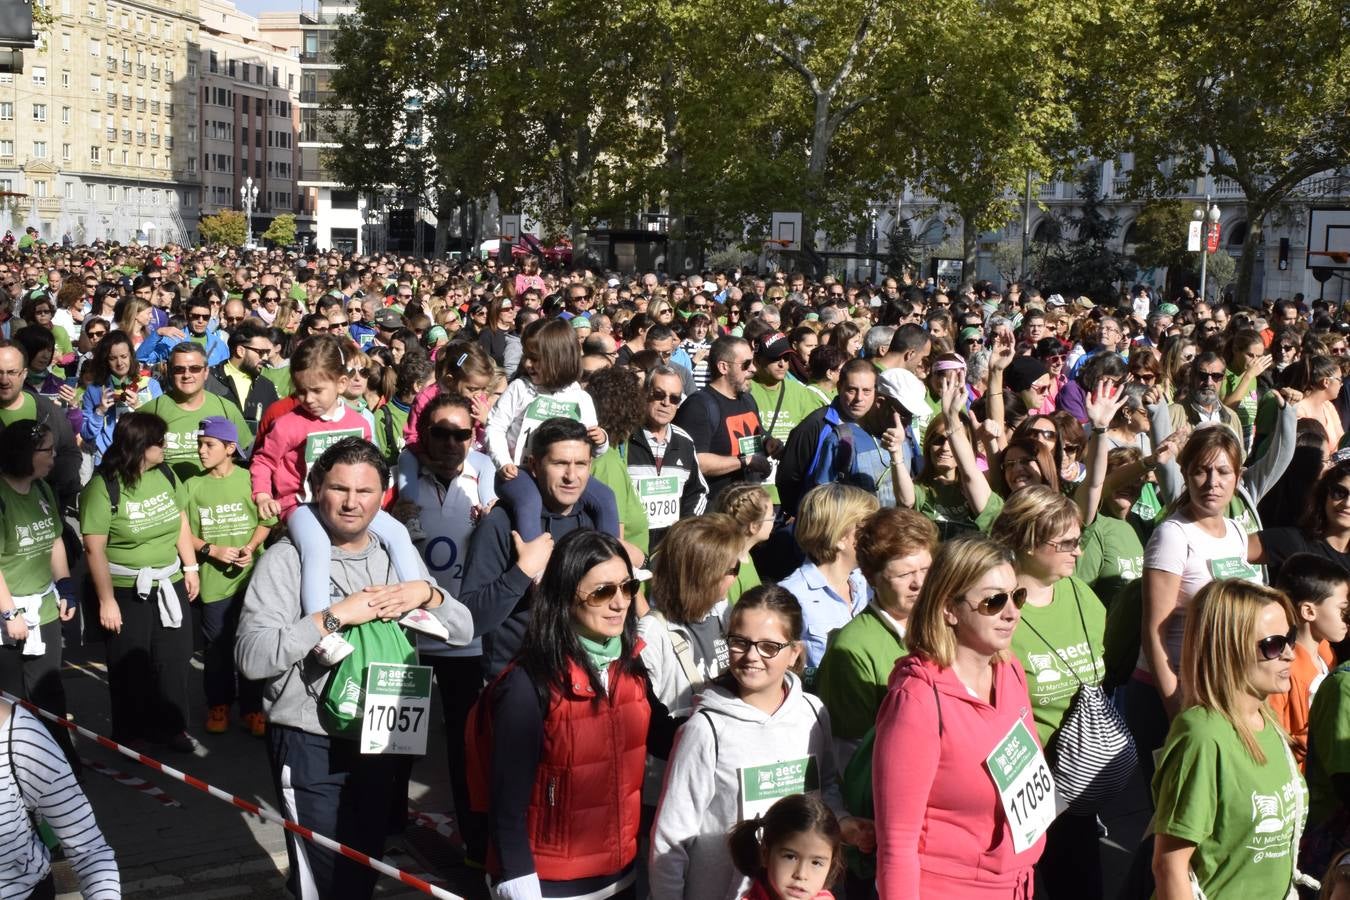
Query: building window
{"type": "Point", "coordinates": [96, 83]}
{"type": "Point", "coordinates": [89, 190]}
{"type": "Point", "coordinates": [65, 115]}
{"type": "Point", "coordinates": [7, 148]}
{"type": "Point", "coordinates": [65, 42]}
{"type": "Point", "coordinates": [95, 155]}
{"type": "Point", "coordinates": [68, 190]}
{"type": "Point", "coordinates": [40, 149]}
{"type": "Point", "coordinates": [212, 65]}
{"type": "Point", "coordinates": [40, 189]}
{"type": "Point", "coordinates": [65, 152]}
{"type": "Point", "coordinates": [39, 112]}
{"type": "Point", "coordinates": [231, 68]}
{"type": "Point", "coordinates": [95, 48]}
{"type": "Point", "coordinates": [6, 111]}
{"type": "Point", "coordinates": [39, 75]}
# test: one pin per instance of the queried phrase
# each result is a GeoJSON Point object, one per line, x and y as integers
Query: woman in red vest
{"type": "Point", "coordinates": [558, 742]}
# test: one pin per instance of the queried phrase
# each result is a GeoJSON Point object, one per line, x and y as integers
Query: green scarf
{"type": "Point", "coordinates": [601, 654]}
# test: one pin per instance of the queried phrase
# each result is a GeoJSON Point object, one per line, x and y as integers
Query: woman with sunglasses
{"type": "Point", "coordinates": [1060, 642]}
{"type": "Point", "coordinates": [1324, 529]}
{"type": "Point", "coordinates": [117, 385]}
{"type": "Point", "coordinates": [1230, 802]}
{"type": "Point", "coordinates": [558, 740]}
{"type": "Point", "coordinates": [940, 826]}
{"type": "Point", "coordinates": [499, 336]}
{"type": "Point", "coordinates": [752, 722]}
{"type": "Point", "coordinates": [1196, 544]}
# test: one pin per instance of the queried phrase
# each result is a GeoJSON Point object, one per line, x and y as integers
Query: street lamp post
{"type": "Point", "coordinates": [248, 193]}
{"type": "Point", "coordinates": [1210, 212]}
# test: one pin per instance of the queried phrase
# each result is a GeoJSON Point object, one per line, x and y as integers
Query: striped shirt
{"type": "Point", "coordinates": [46, 784]}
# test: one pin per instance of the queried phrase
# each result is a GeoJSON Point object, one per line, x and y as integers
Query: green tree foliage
{"type": "Point", "coordinates": [282, 230]}
{"type": "Point", "coordinates": [226, 228]}
{"type": "Point", "coordinates": [1161, 230]}
{"type": "Point", "coordinates": [1251, 91]}
{"type": "Point", "coordinates": [1087, 263]}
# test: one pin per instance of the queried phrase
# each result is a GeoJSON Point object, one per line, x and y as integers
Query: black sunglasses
{"type": "Point", "coordinates": [994, 603]}
{"type": "Point", "coordinates": [1273, 647]}
{"type": "Point", "coordinates": [447, 433]}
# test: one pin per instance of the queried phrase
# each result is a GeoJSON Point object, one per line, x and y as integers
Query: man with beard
{"type": "Point", "coordinates": [1200, 404]}
{"type": "Point", "coordinates": [237, 379]}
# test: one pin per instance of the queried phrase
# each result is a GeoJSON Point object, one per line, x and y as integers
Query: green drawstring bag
{"type": "Point", "coordinates": [344, 698]}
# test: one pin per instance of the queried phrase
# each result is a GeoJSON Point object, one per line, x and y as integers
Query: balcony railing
{"type": "Point", "coordinates": [112, 64]}
{"type": "Point", "coordinates": [154, 73]}
{"type": "Point", "coordinates": [126, 103]}
{"type": "Point", "coordinates": [126, 135]}
{"type": "Point", "coordinates": [112, 100]}
{"type": "Point", "coordinates": [154, 107]}
{"type": "Point", "coordinates": [126, 67]}
{"type": "Point", "coordinates": [168, 142]}
{"type": "Point", "coordinates": [154, 140]}
{"type": "Point", "coordinates": [112, 134]}
{"type": "Point", "coordinates": [140, 71]}
{"type": "Point", "coordinates": [140, 106]}
{"type": "Point", "coordinates": [168, 110]}
{"type": "Point", "coordinates": [140, 138]}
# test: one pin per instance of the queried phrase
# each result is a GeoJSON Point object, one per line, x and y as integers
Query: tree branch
{"type": "Point", "coordinates": [859, 36]}
{"type": "Point", "coordinates": [847, 110]}
{"type": "Point", "coordinates": [793, 60]}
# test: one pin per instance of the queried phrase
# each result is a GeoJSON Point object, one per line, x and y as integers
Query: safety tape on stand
{"type": "Point", "coordinates": [267, 815]}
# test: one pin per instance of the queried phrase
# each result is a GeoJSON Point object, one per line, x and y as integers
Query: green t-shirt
{"type": "Point", "coordinates": [281, 377]}
{"type": "Point", "coordinates": [746, 578]}
{"type": "Point", "coordinates": [1246, 409]}
{"type": "Point", "coordinates": [946, 505]}
{"type": "Point", "coordinates": [1113, 556]}
{"type": "Point", "coordinates": [779, 419]}
{"type": "Point", "coordinates": [27, 411]}
{"type": "Point", "coordinates": [221, 511]}
{"type": "Point", "coordinates": [1058, 653]}
{"type": "Point", "coordinates": [29, 525]}
{"type": "Point", "coordinates": [145, 530]}
{"type": "Point", "coordinates": [1328, 743]}
{"type": "Point", "coordinates": [612, 470]}
{"type": "Point", "coordinates": [389, 422]}
{"type": "Point", "coordinates": [180, 441]}
{"type": "Point", "coordinates": [1240, 815]}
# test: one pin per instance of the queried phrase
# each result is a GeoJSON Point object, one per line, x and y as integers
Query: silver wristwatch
{"type": "Point", "coordinates": [9, 615]}
{"type": "Point", "coordinates": [331, 622]}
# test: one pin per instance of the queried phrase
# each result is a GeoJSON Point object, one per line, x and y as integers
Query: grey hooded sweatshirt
{"type": "Point", "coordinates": [702, 797]}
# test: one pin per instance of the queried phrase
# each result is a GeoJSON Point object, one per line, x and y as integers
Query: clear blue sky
{"type": "Point", "coordinates": [253, 7]}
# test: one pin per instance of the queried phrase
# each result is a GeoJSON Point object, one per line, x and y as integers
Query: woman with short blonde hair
{"type": "Point", "coordinates": [1228, 795]}
{"type": "Point", "coordinates": [828, 585]}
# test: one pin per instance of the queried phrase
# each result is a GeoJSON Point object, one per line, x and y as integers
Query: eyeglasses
{"type": "Point", "coordinates": [604, 593]}
{"type": "Point", "coordinates": [1068, 545]}
{"type": "Point", "coordinates": [1054, 360]}
{"type": "Point", "coordinates": [1145, 377]}
{"type": "Point", "coordinates": [975, 342]}
{"type": "Point", "coordinates": [1203, 376]}
{"type": "Point", "coordinates": [334, 323]}
{"type": "Point", "coordinates": [662, 397]}
{"type": "Point", "coordinates": [1044, 434]}
{"type": "Point", "coordinates": [1288, 347]}
{"type": "Point", "coordinates": [1337, 493]}
{"type": "Point", "coordinates": [747, 365]}
{"type": "Point", "coordinates": [200, 317]}
{"type": "Point", "coordinates": [1025, 462]}
{"type": "Point", "coordinates": [448, 433]}
{"type": "Point", "coordinates": [994, 603]}
{"type": "Point", "coordinates": [1273, 647]}
{"type": "Point", "coordinates": [97, 334]}
{"type": "Point", "coordinates": [187, 370]}
{"type": "Point", "coordinates": [939, 440]}
{"type": "Point", "coordinates": [262, 351]}
{"type": "Point", "coordinates": [766, 649]}
{"type": "Point", "coordinates": [49, 448]}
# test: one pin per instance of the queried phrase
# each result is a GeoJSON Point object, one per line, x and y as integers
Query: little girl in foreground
{"type": "Point", "coordinates": [790, 854]}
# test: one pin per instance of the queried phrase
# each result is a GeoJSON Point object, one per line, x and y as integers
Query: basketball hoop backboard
{"type": "Point", "coordinates": [785, 230]}
{"type": "Point", "coordinates": [1329, 238]}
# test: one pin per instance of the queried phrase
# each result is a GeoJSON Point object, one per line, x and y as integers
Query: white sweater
{"type": "Point", "coordinates": [522, 408]}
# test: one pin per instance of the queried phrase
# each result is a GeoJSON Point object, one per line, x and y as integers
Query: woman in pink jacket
{"type": "Point", "coordinates": [954, 708]}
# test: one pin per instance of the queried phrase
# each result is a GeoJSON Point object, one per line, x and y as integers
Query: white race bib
{"type": "Point", "coordinates": [1025, 785]}
{"type": "Point", "coordinates": [660, 494]}
{"type": "Point", "coordinates": [395, 716]}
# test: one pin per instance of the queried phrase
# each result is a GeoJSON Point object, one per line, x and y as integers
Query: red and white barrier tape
{"type": "Point", "coordinates": [131, 781]}
{"type": "Point", "coordinates": [266, 814]}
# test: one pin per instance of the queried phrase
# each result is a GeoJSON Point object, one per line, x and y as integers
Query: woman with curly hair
{"type": "Point", "coordinates": [619, 410]}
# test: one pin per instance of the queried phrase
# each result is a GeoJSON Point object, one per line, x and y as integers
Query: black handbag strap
{"type": "Point", "coordinates": [1087, 637]}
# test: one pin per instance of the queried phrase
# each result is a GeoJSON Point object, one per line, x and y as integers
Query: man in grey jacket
{"type": "Point", "coordinates": [323, 781]}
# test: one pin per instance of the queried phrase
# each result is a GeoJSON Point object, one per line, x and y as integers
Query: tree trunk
{"type": "Point", "coordinates": [970, 243]}
{"type": "Point", "coordinates": [1251, 246]}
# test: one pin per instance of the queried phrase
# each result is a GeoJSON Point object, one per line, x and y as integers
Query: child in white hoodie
{"type": "Point", "coordinates": [754, 737]}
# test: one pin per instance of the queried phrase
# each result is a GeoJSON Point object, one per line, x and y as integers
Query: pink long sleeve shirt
{"type": "Point", "coordinates": [941, 829]}
{"type": "Point", "coordinates": [295, 440]}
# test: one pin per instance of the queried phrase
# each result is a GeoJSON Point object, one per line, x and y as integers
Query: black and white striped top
{"type": "Point", "coordinates": [49, 787]}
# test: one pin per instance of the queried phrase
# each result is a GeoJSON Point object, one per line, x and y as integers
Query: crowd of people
{"type": "Point", "coordinates": [732, 586]}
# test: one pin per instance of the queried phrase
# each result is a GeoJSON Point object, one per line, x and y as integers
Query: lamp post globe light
{"type": "Point", "coordinates": [248, 193]}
